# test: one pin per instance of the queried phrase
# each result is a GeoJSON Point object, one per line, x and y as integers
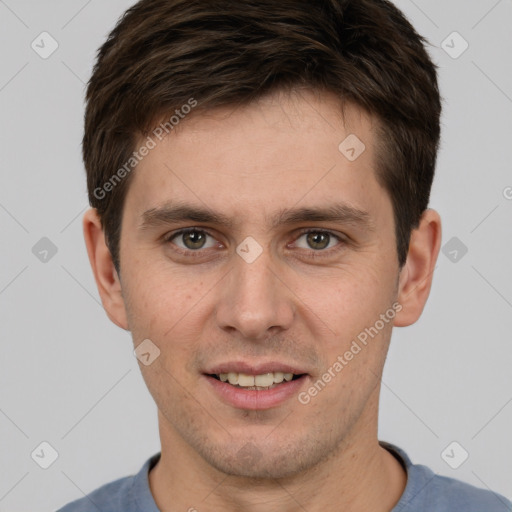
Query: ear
{"type": "Point", "coordinates": [417, 273]}
{"type": "Point", "coordinates": [105, 274]}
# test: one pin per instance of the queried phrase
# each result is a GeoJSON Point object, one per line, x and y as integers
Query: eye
{"type": "Point", "coordinates": [318, 240]}
{"type": "Point", "coordinates": [191, 239]}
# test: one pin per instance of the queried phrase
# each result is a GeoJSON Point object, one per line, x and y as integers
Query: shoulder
{"type": "Point", "coordinates": [426, 491]}
{"type": "Point", "coordinates": [444, 493]}
{"type": "Point", "coordinates": [107, 498]}
{"type": "Point", "coordinates": [127, 494]}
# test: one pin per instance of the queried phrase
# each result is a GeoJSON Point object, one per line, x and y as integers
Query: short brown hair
{"type": "Point", "coordinates": [162, 53]}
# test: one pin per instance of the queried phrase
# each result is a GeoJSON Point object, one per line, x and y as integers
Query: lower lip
{"type": "Point", "coordinates": [254, 399]}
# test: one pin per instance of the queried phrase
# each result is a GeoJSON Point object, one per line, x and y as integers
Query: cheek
{"type": "Point", "coordinates": [166, 311]}
{"type": "Point", "coordinates": [162, 297]}
{"type": "Point", "coordinates": [352, 307]}
{"type": "Point", "coordinates": [351, 299]}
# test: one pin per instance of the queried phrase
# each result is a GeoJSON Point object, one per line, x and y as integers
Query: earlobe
{"type": "Point", "coordinates": [105, 274]}
{"type": "Point", "coordinates": [417, 274]}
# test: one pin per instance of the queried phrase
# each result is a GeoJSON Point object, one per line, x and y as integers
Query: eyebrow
{"type": "Point", "coordinates": [171, 213]}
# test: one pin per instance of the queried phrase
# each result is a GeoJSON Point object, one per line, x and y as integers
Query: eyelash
{"type": "Point", "coordinates": [311, 253]}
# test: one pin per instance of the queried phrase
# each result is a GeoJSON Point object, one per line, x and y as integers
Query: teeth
{"type": "Point", "coordinates": [278, 377]}
{"type": "Point", "coordinates": [245, 380]}
{"type": "Point", "coordinates": [264, 380]}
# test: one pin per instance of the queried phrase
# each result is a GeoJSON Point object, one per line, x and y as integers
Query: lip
{"type": "Point", "coordinates": [253, 399]}
{"type": "Point", "coordinates": [254, 369]}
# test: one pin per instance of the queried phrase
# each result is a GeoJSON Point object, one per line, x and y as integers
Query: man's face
{"type": "Point", "coordinates": [266, 291]}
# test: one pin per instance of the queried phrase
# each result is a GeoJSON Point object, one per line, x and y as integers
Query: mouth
{"type": "Point", "coordinates": [255, 388]}
{"type": "Point", "coordinates": [261, 382]}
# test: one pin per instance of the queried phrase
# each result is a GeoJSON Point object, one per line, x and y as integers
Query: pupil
{"type": "Point", "coordinates": [195, 239]}
{"type": "Point", "coordinates": [315, 240]}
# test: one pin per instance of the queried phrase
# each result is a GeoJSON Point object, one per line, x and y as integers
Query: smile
{"type": "Point", "coordinates": [255, 382]}
{"type": "Point", "coordinates": [256, 392]}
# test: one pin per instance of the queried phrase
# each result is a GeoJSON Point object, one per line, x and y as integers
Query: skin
{"type": "Point", "coordinates": [248, 164]}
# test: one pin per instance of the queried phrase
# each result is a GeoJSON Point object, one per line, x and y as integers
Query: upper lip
{"type": "Point", "coordinates": [253, 368]}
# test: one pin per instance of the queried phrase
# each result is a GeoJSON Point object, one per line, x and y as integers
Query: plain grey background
{"type": "Point", "coordinates": [68, 376]}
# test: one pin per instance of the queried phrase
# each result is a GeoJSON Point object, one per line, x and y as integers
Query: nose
{"type": "Point", "coordinates": [254, 301]}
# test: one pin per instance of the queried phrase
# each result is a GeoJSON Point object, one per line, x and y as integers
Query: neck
{"type": "Point", "coordinates": [359, 476]}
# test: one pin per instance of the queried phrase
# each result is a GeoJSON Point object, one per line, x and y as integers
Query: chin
{"type": "Point", "coordinates": [257, 460]}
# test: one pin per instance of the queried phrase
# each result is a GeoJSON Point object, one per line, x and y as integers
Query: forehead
{"type": "Point", "coordinates": [255, 161]}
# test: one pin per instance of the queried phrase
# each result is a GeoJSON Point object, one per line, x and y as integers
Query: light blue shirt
{"type": "Point", "coordinates": [424, 492]}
